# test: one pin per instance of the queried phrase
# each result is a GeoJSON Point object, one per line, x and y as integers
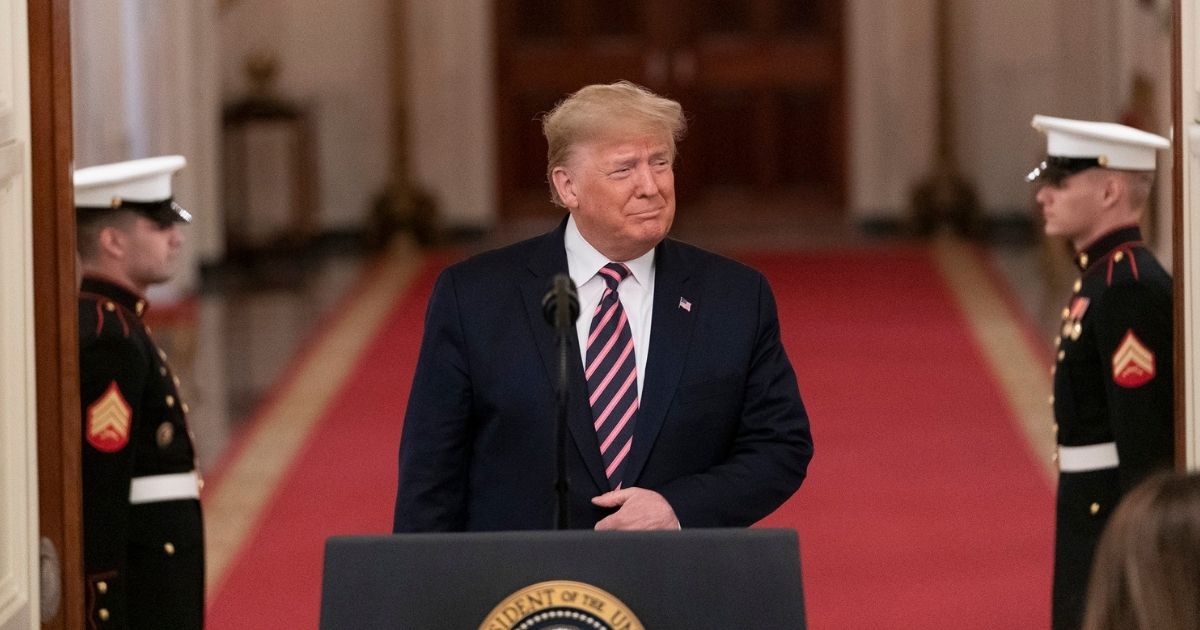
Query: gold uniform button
{"type": "Point", "coordinates": [165, 434]}
{"type": "Point", "coordinates": [110, 307]}
{"type": "Point", "coordinates": [1066, 312]}
{"type": "Point", "coordinates": [174, 379]}
{"type": "Point", "coordinates": [1083, 260]}
{"type": "Point", "coordinates": [1062, 354]}
{"type": "Point", "coordinates": [141, 307]}
{"type": "Point", "coordinates": [185, 408]}
{"type": "Point", "coordinates": [162, 355]}
{"type": "Point", "coordinates": [1076, 331]}
{"type": "Point", "coordinates": [169, 548]}
{"type": "Point", "coordinates": [1118, 256]}
{"type": "Point", "coordinates": [162, 369]}
{"type": "Point", "coordinates": [1094, 509]}
{"type": "Point", "coordinates": [102, 587]}
{"type": "Point", "coordinates": [103, 614]}
{"type": "Point", "coordinates": [170, 400]}
{"type": "Point", "coordinates": [1078, 285]}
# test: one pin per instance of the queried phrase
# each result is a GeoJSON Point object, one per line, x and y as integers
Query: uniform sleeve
{"type": "Point", "coordinates": [435, 445]}
{"type": "Point", "coordinates": [772, 448]}
{"type": "Point", "coordinates": [113, 374]}
{"type": "Point", "coordinates": [1134, 338]}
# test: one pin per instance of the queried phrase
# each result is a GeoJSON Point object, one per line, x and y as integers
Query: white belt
{"type": "Point", "coordinates": [1088, 458]}
{"type": "Point", "coordinates": [155, 488]}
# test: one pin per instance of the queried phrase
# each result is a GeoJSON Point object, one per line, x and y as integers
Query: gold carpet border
{"type": "Point", "coordinates": [233, 509]}
{"type": "Point", "coordinates": [1023, 374]}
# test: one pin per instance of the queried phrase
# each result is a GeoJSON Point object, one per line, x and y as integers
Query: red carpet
{"type": "Point", "coordinates": [923, 507]}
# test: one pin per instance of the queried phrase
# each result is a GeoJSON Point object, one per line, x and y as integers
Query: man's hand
{"type": "Point", "coordinates": [638, 509]}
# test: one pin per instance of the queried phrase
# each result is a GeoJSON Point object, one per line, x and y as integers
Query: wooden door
{"type": "Point", "coordinates": [55, 334]}
{"type": "Point", "coordinates": [760, 80]}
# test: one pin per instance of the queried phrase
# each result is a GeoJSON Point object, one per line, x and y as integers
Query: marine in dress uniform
{"type": "Point", "coordinates": [143, 533]}
{"type": "Point", "coordinates": [1113, 380]}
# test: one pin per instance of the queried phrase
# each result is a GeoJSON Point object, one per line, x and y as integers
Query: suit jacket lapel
{"type": "Point", "coordinates": [548, 259]}
{"type": "Point", "coordinates": [670, 333]}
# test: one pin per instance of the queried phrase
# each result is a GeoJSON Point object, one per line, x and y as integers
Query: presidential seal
{"type": "Point", "coordinates": [561, 605]}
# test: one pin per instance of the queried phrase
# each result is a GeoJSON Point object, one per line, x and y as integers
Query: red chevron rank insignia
{"type": "Point", "coordinates": [1133, 362]}
{"type": "Point", "coordinates": [108, 421]}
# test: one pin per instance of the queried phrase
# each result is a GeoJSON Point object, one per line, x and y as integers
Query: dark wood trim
{"type": "Point", "coordinates": [55, 329]}
{"type": "Point", "coordinates": [1178, 242]}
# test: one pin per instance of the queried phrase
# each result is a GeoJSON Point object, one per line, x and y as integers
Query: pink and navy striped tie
{"type": "Point", "coordinates": [611, 371]}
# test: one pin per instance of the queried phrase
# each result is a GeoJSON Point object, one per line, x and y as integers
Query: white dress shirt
{"type": "Point", "coordinates": [636, 293]}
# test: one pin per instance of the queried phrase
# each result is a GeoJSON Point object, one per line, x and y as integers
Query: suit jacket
{"type": "Point", "coordinates": [721, 430]}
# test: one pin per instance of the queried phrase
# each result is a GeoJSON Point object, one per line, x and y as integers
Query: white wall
{"type": "Point", "coordinates": [1012, 59]}
{"type": "Point", "coordinates": [335, 58]}
{"type": "Point", "coordinates": [892, 100]}
{"type": "Point", "coordinates": [1006, 62]}
{"type": "Point", "coordinates": [451, 119]}
{"type": "Point", "coordinates": [144, 84]}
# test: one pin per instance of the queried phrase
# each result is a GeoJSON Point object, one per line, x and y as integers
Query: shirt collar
{"type": "Point", "coordinates": [584, 261]}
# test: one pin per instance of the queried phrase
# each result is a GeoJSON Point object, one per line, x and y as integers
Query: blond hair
{"type": "Point", "coordinates": [607, 110]}
{"type": "Point", "coordinates": [1146, 573]}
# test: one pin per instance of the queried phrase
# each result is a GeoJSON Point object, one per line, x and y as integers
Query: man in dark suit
{"type": "Point", "coordinates": [684, 409]}
{"type": "Point", "coordinates": [1113, 386]}
{"type": "Point", "coordinates": [143, 538]}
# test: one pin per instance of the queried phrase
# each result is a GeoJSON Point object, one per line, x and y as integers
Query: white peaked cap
{"type": "Point", "coordinates": [1112, 145]}
{"type": "Point", "coordinates": [145, 180]}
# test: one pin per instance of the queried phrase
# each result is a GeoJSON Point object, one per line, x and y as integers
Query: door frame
{"type": "Point", "coordinates": [56, 338]}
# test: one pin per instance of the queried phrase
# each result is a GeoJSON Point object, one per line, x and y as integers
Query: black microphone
{"type": "Point", "coordinates": [561, 308]}
{"type": "Point", "coordinates": [561, 303]}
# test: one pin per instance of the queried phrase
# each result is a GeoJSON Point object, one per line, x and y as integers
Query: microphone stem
{"type": "Point", "coordinates": [560, 485]}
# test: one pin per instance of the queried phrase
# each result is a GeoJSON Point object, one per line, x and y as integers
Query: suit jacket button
{"type": "Point", "coordinates": [1094, 509]}
{"type": "Point", "coordinates": [169, 548]}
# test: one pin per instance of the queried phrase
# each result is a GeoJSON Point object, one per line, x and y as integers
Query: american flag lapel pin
{"type": "Point", "coordinates": [685, 304]}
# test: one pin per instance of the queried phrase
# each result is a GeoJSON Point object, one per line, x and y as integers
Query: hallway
{"type": "Point", "coordinates": [266, 347]}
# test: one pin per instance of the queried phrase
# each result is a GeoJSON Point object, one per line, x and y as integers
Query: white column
{"type": "Point", "coordinates": [451, 133]}
{"type": "Point", "coordinates": [893, 103]}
